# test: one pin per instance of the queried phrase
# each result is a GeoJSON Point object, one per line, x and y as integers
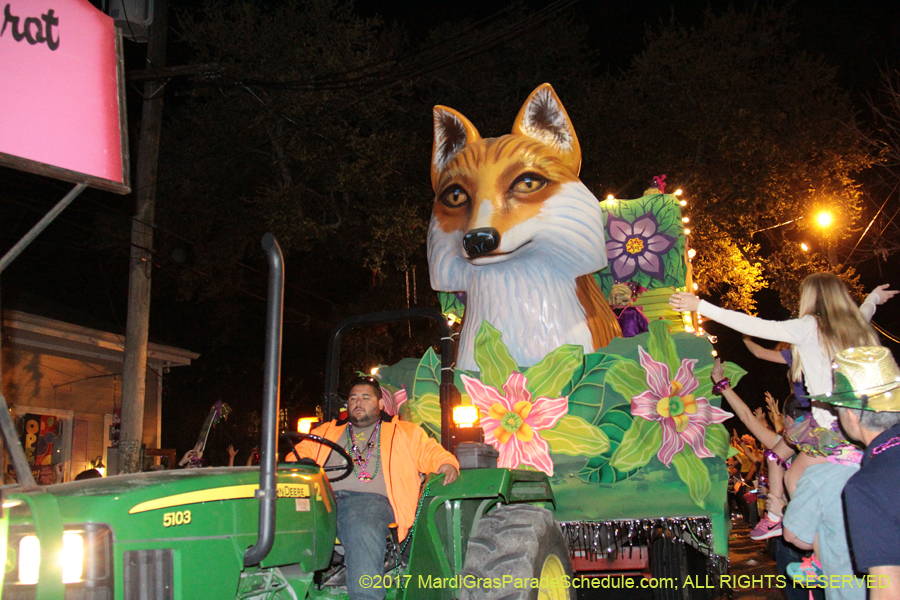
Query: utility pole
{"type": "Point", "coordinates": [141, 256]}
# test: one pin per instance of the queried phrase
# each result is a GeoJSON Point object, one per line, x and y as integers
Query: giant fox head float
{"type": "Point", "coordinates": [514, 228]}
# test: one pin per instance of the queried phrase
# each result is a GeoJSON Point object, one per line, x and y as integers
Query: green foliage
{"type": "Point", "coordinates": [639, 444]}
{"type": "Point", "coordinates": [751, 129]}
{"type": "Point", "coordinates": [717, 440]}
{"type": "Point", "coordinates": [627, 377]}
{"type": "Point", "coordinates": [492, 356]}
{"type": "Point", "coordinates": [423, 407]}
{"type": "Point", "coordinates": [733, 372]}
{"type": "Point", "coordinates": [662, 346]}
{"type": "Point", "coordinates": [550, 375]}
{"type": "Point", "coordinates": [451, 306]}
{"type": "Point", "coordinates": [614, 423]}
{"type": "Point", "coordinates": [695, 475]}
{"type": "Point", "coordinates": [576, 437]}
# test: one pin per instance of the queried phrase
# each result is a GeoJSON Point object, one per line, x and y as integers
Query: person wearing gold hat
{"type": "Point", "coordinates": [867, 395]}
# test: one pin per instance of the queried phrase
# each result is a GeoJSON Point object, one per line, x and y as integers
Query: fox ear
{"type": "Point", "coordinates": [452, 133]}
{"type": "Point", "coordinates": [544, 119]}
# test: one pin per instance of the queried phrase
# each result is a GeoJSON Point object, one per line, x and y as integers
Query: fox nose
{"type": "Point", "coordinates": [481, 241]}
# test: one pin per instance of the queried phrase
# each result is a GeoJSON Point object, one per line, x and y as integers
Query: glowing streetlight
{"type": "Point", "coordinates": [824, 220]}
{"type": "Point", "coordinates": [804, 247]}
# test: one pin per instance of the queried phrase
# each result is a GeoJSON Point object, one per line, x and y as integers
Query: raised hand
{"type": "Point", "coordinates": [684, 301]}
{"type": "Point", "coordinates": [884, 294]}
{"type": "Point", "coordinates": [761, 417]}
{"type": "Point", "coordinates": [718, 371]}
{"type": "Point", "coordinates": [774, 413]}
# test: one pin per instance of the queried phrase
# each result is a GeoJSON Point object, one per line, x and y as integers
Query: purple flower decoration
{"type": "Point", "coordinates": [637, 246]}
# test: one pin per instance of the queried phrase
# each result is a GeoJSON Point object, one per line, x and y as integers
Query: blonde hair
{"type": "Point", "coordinates": [620, 294]}
{"type": "Point", "coordinates": [840, 323]}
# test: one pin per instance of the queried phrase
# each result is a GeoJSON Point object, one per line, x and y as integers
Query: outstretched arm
{"type": "Point", "coordinates": [794, 331]}
{"type": "Point", "coordinates": [763, 353]}
{"type": "Point", "coordinates": [879, 295]}
{"type": "Point", "coordinates": [743, 412]}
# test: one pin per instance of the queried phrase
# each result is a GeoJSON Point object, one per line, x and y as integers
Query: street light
{"type": "Point", "coordinates": [824, 218]}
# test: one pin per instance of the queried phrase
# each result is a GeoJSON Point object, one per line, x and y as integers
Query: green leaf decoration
{"type": "Point", "coordinates": [492, 357]}
{"type": "Point", "coordinates": [615, 422]}
{"type": "Point", "coordinates": [548, 377]}
{"type": "Point", "coordinates": [703, 375]}
{"type": "Point", "coordinates": [587, 390]}
{"type": "Point", "coordinates": [576, 437]}
{"type": "Point", "coordinates": [734, 373]}
{"type": "Point", "coordinates": [694, 474]}
{"type": "Point", "coordinates": [717, 439]}
{"type": "Point", "coordinates": [424, 404]}
{"type": "Point", "coordinates": [662, 346]}
{"type": "Point", "coordinates": [627, 377]}
{"type": "Point", "coordinates": [451, 306]}
{"type": "Point", "coordinates": [640, 444]}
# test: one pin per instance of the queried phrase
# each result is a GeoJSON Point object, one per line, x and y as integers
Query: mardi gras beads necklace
{"type": "Point", "coordinates": [356, 454]}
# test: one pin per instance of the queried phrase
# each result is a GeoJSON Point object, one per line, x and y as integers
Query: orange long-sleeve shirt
{"type": "Point", "coordinates": [406, 451]}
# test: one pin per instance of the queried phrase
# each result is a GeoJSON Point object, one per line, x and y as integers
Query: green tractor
{"type": "Point", "coordinates": [268, 532]}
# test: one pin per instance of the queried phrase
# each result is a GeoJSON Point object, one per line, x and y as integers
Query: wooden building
{"type": "Point", "coordinates": [63, 383]}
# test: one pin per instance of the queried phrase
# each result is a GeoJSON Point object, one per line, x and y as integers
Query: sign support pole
{"type": "Point", "coordinates": [137, 327]}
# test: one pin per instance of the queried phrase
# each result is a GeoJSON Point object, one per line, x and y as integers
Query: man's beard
{"type": "Point", "coordinates": [363, 422]}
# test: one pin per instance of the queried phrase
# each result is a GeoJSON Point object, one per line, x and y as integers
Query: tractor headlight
{"type": "Point", "coordinates": [71, 557]}
{"type": "Point", "coordinates": [84, 557]}
{"type": "Point", "coordinates": [29, 559]}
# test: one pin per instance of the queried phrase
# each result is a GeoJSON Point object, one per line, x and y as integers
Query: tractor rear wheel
{"type": "Point", "coordinates": [518, 553]}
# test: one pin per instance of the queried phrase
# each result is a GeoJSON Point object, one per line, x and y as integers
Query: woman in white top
{"type": "Point", "coordinates": [829, 322]}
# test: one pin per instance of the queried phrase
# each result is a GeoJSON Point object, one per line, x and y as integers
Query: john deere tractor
{"type": "Point", "coordinates": [268, 532]}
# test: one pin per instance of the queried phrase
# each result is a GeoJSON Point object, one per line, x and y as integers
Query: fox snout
{"type": "Point", "coordinates": [481, 241]}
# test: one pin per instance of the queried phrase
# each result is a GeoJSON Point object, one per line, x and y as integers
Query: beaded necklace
{"type": "Point", "coordinates": [894, 441]}
{"type": "Point", "coordinates": [356, 454]}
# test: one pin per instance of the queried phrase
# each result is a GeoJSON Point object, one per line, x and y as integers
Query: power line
{"type": "Point", "coordinates": [885, 333]}
{"type": "Point", "coordinates": [159, 258]}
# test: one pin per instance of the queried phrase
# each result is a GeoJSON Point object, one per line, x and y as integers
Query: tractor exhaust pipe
{"type": "Point", "coordinates": [268, 448]}
{"type": "Point", "coordinates": [332, 398]}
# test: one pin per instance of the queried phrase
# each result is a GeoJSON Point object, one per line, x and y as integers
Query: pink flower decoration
{"type": "Point", "coordinates": [682, 416]}
{"type": "Point", "coordinates": [392, 403]}
{"type": "Point", "coordinates": [512, 422]}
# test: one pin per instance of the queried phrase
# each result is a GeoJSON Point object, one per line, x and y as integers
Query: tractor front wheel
{"type": "Point", "coordinates": [518, 553]}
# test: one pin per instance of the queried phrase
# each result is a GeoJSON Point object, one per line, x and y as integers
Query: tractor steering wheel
{"type": "Point", "coordinates": [295, 437]}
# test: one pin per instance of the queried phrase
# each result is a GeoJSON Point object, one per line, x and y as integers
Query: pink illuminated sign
{"type": "Point", "coordinates": [62, 104]}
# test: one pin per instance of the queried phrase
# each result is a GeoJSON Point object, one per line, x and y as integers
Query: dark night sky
{"type": "Point", "coordinates": [858, 37]}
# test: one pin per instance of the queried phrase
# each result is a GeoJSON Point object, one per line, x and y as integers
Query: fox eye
{"type": "Point", "coordinates": [527, 183]}
{"type": "Point", "coordinates": [454, 197]}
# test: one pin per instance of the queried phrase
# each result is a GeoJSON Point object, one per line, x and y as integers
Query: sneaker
{"type": "Point", "coordinates": [765, 529]}
{"type": "Point", "coordinates": [808, 572]}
